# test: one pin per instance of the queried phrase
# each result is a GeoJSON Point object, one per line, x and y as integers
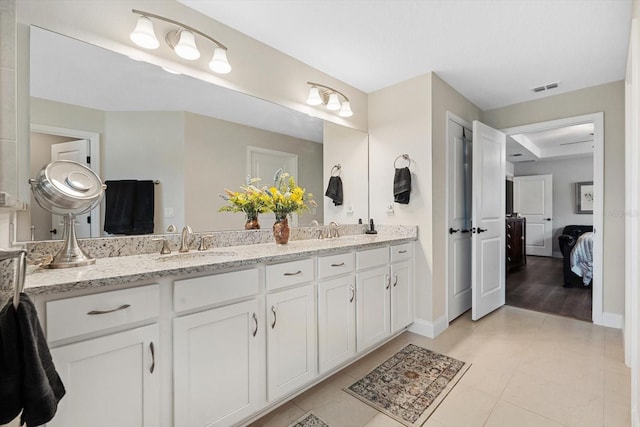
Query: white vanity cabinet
{"type": "Point", "coordinates": [401, 286]}
{"type": "Point", "coordinates": [291, 327]}
{"type": "Point", "coordinates": [336, 310]}
{"type": "Point", "coordinates": [218, 353]}
{"type": "Point", "coordinates": [112, 380]}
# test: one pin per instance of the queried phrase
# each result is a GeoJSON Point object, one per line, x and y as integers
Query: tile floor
{"type": "Point", "coordinates": [528, 369]}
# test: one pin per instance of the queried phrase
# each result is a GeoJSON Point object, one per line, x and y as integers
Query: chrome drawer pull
{"type": "Point", "coordinates": [153, 357]}
{"type": "Point", "coordinates": [387, 279]}
{"type": "Point", "coordinates": [255, 319]}
{"type": "Point", "coordinates": [353, 294]}
{"type": "Point", "coordinates": [395, 282]}
{"type": "Point", "coordinates": [404, 251]}
{"type": "Point", "coordinates": [122, 307]}
{"type": "Point", "coordinates": [293, 274]}
{"type": "Point", "coordinates": [337, 265]}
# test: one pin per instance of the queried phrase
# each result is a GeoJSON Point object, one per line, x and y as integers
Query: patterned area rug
{"type": "Point", "coordinates": [309, 420]}
{"type": "Point", "coordinates": [410, 385]}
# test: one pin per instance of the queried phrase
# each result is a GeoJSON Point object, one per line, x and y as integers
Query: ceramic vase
{"type": "Point", "coordinates": [252, 222]}
{"type": "Point", "coordinates": [281, 230]}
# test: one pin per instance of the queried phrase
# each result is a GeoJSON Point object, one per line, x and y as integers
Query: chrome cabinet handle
{"type": "Point", "coordinates": [293, 274]}
{"type": "Point", "coordinates": [353, 293]}
{"type": "Point", "coordinates": [404, 251]}
{"type": "Point", "coordinates": [122, 307]}
{"type": "Point", "coordinates": [388, 280]}
{"type": "Point", "coordinates": [255, 319]}
{"type": "Point", "coordinates": [337, 265]}
{"type": "Point", "coordinates": [153, 357]}
{"type": "Point", "coordinates": [396, 280]}
{"type": "Point", "coordinates": [275, 317]}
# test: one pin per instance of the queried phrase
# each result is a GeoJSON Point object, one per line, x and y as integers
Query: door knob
{"type": "Point", "coordinates": [453, 230]}
{"type": "Point", "coordinates": [54, 231]}
{"type": "Point", "coordinates": [547, 219]}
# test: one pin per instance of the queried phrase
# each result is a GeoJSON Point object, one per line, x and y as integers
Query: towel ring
{"type": "Point", "coordinates": [337, 168]}
{"type": "Point", "coordinates": [402, 156]}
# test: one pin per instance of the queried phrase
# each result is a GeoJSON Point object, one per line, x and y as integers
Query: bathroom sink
{"type": "Point", "coordinates": [187, 256]}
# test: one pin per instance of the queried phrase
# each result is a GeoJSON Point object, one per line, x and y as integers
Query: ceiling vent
{"type": "Point", "coordinates": [549, 86]}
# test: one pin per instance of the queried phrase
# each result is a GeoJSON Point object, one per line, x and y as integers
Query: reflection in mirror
{"type": "Point", "coordinates": [191, 137]}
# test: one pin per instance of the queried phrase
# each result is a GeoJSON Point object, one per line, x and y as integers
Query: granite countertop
{"type": "Point", "coordinates": [125, 269]}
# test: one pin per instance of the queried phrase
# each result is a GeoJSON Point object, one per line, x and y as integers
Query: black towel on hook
{"type": "Point", "coordinates": [10, 365]}
{"type": "Point", "coordinates": [402, 185]}
{"type": "Point", "coordinates": [334, 190]}
{"type": "Point", "coordinates": [42, 387]}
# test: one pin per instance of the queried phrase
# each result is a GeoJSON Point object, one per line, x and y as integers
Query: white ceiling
{"type": "Point", "coordinates": [552, 144]}
{"type": "Point", "coordinates": [491, 51]}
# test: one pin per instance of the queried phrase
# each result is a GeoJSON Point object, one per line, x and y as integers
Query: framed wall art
{"type": "Point", "coordinates": [584, 197]}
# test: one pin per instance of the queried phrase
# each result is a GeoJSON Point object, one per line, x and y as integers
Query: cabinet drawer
{"type": "Point", "coordinates": [372, 257]}
{"type": "Point", "coordinates": [214, 289]}
{"type": "Point", "coordinates": [333, 265]}
{"type": "Point", "coordinates": [289, 273]}
{"type": "Point", "coordinates": [401, 252]}
{"type": "Point", "coordinates": [91, 313]}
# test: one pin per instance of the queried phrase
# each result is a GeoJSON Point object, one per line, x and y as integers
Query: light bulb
{"type": "Point", "coordinates": [143, 34]}
{"type": "Point", "coordinates": [186, 47]}
{"type": "Point", "coordinates": [314, 96]}
{"type": "Point", "coordinates": [345, 111]}
{"type": "Point", "coordinates": [334, 103]}
{"type": "Point", "coordinates": [219, 63]}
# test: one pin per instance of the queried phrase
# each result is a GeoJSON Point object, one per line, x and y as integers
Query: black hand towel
{"type": "Point", "coordinates": [402, 185]}
{"type": "Point", "coordinates": [119, 201]}
{"type": "Point", "coordinates": [334, 190]}
{"type": "Point", "coordinates": [143, 208]}
{"type": "Point", "coordinates": [10, 365]}
{"type": "Point", "coordinates": [42, 388]}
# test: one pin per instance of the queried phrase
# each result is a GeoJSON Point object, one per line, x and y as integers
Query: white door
{"type": "Point", "coordinates": [488, 217]}
{"type": "Point", "coordinates": [77, 151]}
{"type": "Point", "coordinates": [336, 321]}
{"type": "Point", "coordinates": [459, 219]}
{"type": "Point", "coordinates": [291, 338]}
{"type": "Point", "coordinates": [217, 365]}
{"type": "Point", "coordinates": [263, 163]}
{"type": "Point", "coordinates": [533, 198]}
{"type": "Point", "coordinates": [373, 318]}
{"type": "Point", "coordinates": [110, 381]}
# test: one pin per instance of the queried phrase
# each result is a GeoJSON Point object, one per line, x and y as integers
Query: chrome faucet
{"type": "Point", "coordinates": [333, 229]}
{"type": "Point", "coordinates": [184, 242]}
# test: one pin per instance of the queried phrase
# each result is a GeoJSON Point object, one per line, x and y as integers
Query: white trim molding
{"type": "Point", "coordinates": [612, 320]}
{"type": "Point", "coordinates": [429, 329]}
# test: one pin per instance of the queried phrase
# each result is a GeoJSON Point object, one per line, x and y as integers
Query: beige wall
{"type": "Point", "coordinates": [444, 99]}
{"type": "Point", "coordinates": [216, 157]}
{"type": "Point", "coordinates": [400, 123]}
{"type": "Point", "coordinates": [350, 149]}
{"type": "Point", "coordinates": [608, 98]}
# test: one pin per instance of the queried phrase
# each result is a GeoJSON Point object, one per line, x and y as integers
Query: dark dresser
{"type": "Point", "coordinates": [516, 241]}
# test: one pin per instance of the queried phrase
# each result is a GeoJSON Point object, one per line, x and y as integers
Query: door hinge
{"type": "Point", "coordinates": [88, 220]}
{"type": "Point", "coordinates": [88, 160]}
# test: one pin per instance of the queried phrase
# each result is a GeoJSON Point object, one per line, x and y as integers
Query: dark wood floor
{"type": "Point", "coordinates": [538, 286]}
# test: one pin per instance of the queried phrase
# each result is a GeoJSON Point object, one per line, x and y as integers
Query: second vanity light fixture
{"type": "Point", "coordinates": [330, 97]}
{"type": "Point", "coordinates": [182, 40]}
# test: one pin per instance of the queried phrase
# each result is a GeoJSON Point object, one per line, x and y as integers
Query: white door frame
{"type": "Point", "coordinates": [465, 124]}
{"type": "Point", "coordinates": [94, 144]}
{"type": "Point", "coordinates": [598, 184]}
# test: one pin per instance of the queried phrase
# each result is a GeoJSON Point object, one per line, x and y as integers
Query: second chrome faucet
{"type": "Point", "coordinates": [184, 241]}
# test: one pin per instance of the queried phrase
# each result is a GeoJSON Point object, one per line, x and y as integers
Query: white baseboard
{"type": "Point", "coordinates": [429, 329]}
{"type": "Point", "coordinates": [612, 320]}
{"type": "Point", "coordinates": [635, 417]}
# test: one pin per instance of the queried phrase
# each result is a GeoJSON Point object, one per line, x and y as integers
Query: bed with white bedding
{"type": "Point", "coordinates": [582, 257]}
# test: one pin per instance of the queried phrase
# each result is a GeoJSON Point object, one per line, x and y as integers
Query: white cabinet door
{"type": "Point", "coordinates": [217, 369]}
{"type": "Point", "coordinates": [336, 321]}
{"type": "Point", "coordinates": [401, 295]}
{"type": "Point", "coordinates": [291, 340]}
{"type": "Point", "coordinates": [110, 381]}
{"type": "Point", "coordinates": [373, 322]}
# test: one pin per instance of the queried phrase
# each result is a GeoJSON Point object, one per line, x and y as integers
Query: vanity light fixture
{"type": "Point", "coordinates": [330, 97]}
{"type": "Point", "coordinates": [182, 40]}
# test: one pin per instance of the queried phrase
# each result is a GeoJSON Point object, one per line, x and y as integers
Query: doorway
{"type": "Point", "coordinates": [539, 284]}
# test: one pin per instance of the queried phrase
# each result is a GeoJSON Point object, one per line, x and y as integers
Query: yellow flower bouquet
{"type": "Point", "coordinates": [251, 200]}
{"type": "Point", "coordinates": [285, 197]}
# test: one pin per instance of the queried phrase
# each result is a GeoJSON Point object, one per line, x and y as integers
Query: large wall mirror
{"type": "Point", "coordinates": [137, 121]}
